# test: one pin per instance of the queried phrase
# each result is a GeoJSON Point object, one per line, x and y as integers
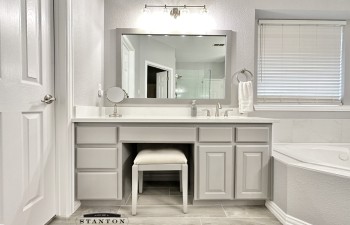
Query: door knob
{"type": "Point", "coordinates": [48, 99]}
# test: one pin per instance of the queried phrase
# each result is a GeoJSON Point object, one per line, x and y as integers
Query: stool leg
{"type": "Point", "coordinates": [135, 172]}
{"type": "Point", "coordinates": [140, 182]}
{"type": "Point", "coordinates": [180, 175]}
{"type": "Point", "coordinates": [184, 186]}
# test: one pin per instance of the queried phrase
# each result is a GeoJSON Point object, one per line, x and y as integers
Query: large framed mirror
{"type": "Point", "coordinates": [170, 68]}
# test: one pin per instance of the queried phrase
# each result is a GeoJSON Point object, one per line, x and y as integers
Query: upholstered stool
{"type": "Point", "coordinates": [158, 160]}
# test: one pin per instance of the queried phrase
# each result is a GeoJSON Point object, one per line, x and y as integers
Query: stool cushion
{"type": "Point", "coordinates": [160, 156]}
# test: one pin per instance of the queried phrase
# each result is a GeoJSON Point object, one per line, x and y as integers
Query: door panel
{"type": "Point", "coordinates": [26, 124]}
{"type": "Point", "coordinates": [32, 39]}
{"type": "Point", "coordinates": [215, 172]}
{"type": "Point", "coordinates": [32, 158]}
{"type": "Point", "coordinates": [162, 84]}
{"type": "Point", "coordinates": [252, 171]}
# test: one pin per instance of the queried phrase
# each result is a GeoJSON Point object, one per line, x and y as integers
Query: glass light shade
{"type": "Point", "coordinates": [185, 11]}
{"type": "Point", "coordinates": [146, 10]}
{"type": "Point", "coordinates": [204, 10]}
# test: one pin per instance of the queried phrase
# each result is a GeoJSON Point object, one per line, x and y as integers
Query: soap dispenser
{"type": "Point", "coordinates": [100, 99]}
{"type": "Point", "coordinates": [193, 109]}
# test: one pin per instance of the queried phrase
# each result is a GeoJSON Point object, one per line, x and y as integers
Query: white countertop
{"type": "Point", "coordinates": [173, 119]}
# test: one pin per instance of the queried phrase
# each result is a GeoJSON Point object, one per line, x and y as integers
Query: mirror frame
{"type": "Point", "coordinates": [112, 73]}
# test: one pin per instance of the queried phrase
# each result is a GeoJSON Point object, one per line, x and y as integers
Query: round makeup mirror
{"type": "Point", "coordinates": [116, 95]}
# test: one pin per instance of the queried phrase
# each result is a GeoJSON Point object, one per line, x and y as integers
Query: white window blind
{"type": "Point", "coordinates": [300, 62]}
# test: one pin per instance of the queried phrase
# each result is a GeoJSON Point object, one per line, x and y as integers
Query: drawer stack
{"type": "Point", "coordinates": [96, 163]}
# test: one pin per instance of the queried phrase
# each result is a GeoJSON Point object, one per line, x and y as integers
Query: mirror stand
{"type": "Point", "coordinates": [115, 112]}
{"type": "Point", "coordinates": [116, 95]}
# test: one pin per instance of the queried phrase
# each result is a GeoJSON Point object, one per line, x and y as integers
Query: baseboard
{"type": "Point", "coordinates": [102, 203]}
{"type": "Point", "coordinates": [77, 204]}
{"type": "Point", "coordinates": [277, 211]}
{"type": "Point", "coordinates": [283, 217]}
{"type": "Point", "coordinates": [229, 202]}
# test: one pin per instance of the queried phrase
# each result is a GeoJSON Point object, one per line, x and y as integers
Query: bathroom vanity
{"type": "Point", "coordinates": [228, 157]}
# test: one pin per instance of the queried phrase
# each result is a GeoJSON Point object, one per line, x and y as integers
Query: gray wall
{"type": "Point", "coordinates": [88, 32]}
{"type": "Point", "coordinates": [314, 197]}
{"type": "Point", "coordinates": [280, 184]}
{"type": "Point", "coordinates": [155, 52]}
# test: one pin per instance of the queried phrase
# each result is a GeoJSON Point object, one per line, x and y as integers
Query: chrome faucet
{"type": "Point", "coordinates": [217, 111]}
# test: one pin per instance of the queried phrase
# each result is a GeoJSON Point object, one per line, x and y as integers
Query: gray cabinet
{"type": "Point", "coordinates": [96, 158]}
{"type": "Point", "coordinates": [97, 185]}
{"type": "Point", "coordinates": [96, 135]}
{"type": "Point", "coordinates": [96, 163]}
{"type": "Point", "coordinates": [215, 171]}
{"type": "Point", "coordinates": [252, 171]}
{"type": "Point", "coordinates": [231, 161]}
{"type": "Point", "coordinates": [252, 134]}
{"type": "Point", "coordinates": [215, 134]}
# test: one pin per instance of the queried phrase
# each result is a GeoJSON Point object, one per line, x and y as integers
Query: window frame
{"type": "Point", "coordinates": [308, 105]}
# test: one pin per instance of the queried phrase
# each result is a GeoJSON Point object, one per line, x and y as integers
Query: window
{"type": "Point", "coordinates": [300, 62]}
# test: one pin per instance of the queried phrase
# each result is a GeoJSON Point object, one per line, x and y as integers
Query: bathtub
{"type": "Point", "coordinates": [311, 184]}
{"type": "Point", "coordinates": [331, 158]}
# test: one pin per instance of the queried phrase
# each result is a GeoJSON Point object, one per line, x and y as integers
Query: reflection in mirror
{"type": "Point", "coordinates": [173, 66]}
{"type": "Point", "coordinates": [116, 95]}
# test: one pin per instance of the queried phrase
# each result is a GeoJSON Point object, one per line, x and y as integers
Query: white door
{"type": "Point", "coordinates": [27, 156]}
{"type": "Point", "coordinates": [162, 84]}
{"type": "Point", "coordinates": [128, 67]}
{"type": "Point", "coordinates": [125, 69]}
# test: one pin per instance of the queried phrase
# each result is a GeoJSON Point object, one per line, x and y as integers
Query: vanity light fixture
{"type": "Point", "coordinates": [176, 10]}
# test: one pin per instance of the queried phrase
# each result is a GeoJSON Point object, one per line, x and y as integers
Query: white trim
{"type": "Point", "coordinates": [302, 108]}
{"type": "Point", "coordinates": [77, 204]}
{"type": "Point", "coordinates": [129, 85]}
{"type": "Point", "coordinates": [276, 211]}
{"type": "Point", "coordinates": [64, 108]}
{"type": "Point", "coordinates": [305, 22]}
{"type": "Point", "coordinates": [171, 91]}
{"type": "Point", "coordinates": [283, 217]}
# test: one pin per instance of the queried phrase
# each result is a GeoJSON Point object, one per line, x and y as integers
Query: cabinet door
{"type": "Point", "coordinates": [216, 172]}
{"type": "Point", "coordinates": [252, 171]}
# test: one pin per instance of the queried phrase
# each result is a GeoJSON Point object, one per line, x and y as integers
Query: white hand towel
{"type": "Point", "coordinates": [245, 97]}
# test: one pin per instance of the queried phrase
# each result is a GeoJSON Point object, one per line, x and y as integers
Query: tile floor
{"type": "Point", "coordinates": [161, 204]}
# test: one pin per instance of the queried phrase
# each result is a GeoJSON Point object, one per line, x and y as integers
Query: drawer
{"type": "Point", "coordinates": [157, 134]}
{"type": "Point", "coordinates": [96, 135]}
{"type": "Point", "coordinates": [215, 134]}
{"type": "Point", "coordinates": [252, 134]}
{"type": "Point", "coordinates": [97, 185]}
{"type": "Point", "coordinates": [96, 158]}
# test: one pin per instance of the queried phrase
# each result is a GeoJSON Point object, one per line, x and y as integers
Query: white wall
{"type": "Point", "coordinates": [217, 68]}
{"type": "Point", "coordinates": [88, 34]}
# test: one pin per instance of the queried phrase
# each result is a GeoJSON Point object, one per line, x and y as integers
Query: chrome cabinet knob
{"type": "Point", "coordinates": [48, 99]}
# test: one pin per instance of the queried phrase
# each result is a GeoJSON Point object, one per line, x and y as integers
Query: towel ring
{"type": "Point", "coordinates": [249, 75]}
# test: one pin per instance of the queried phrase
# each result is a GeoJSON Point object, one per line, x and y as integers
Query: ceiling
{"type": "Point", "coordinates": [194, 48]}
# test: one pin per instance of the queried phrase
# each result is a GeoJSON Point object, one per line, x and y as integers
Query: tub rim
{"type": "Point", "coordinates": [290, 161]}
